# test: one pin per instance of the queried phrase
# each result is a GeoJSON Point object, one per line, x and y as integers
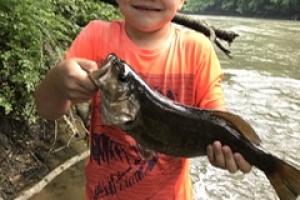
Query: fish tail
{"type": "Point", "coordinates": [285, 179]}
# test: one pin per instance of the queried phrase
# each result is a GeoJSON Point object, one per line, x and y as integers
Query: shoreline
{"type": "Point", "coordinates": [229, 14]}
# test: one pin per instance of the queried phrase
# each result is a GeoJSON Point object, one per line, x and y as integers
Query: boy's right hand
{"type": "Point", "coordinates": [72, 81]}
{"type": "Point", "coordinates": [65, 84]}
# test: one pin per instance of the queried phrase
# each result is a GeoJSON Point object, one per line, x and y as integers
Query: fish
{"type": "Point", "coordinates": [169, 127]}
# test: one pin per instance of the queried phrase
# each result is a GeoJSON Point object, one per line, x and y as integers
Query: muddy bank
{"type": "Point", "coordinates": [28, 153]}
{"type": "Point", "coordinates": [69, 185]}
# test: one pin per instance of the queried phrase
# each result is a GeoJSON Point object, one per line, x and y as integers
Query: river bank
{"type": "Point", "coordinates": [28, 153]}
{"type": "Point", "coordinates": [255, 16]}
{"type": "Point", "coordinates": [68, 186]}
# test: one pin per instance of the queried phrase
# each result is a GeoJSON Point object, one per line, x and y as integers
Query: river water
{"type": "Point", "coordinates": [262, 84]}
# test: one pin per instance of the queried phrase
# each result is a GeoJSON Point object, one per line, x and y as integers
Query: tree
{"type": "Point", "coordinates": [34, 34]}
{"type": "Point", "coordinates": [270, 8]}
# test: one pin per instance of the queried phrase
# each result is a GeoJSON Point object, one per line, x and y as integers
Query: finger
{"type": "Point", "coordinates": [210, 154]}
{"type": "Point", "coordinates": [85, 82]}
{"type": "Point", "coordinates": [79, 100]}
{"type": "Point", "coordinates": [242, 164]}
{"type": "Point", "coordinates": [75, 89]}
{"type": "Point", "coordinates": [87, 85]}
{"type": "Point", "coordinates": [218, 154]}
{"type": "Point", "coordinates": [230, 164]}
{"type": "Point", "coordinates": [87, 65]}
{"type": "Point", "coordinates": [78, 95]}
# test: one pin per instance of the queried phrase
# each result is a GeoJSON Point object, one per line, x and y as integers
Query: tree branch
{"type": "Point", "coordinates": [53, 174]}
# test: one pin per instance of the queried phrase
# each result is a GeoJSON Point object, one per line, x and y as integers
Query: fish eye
{"type": "Point", "coordinates": [122, 77]}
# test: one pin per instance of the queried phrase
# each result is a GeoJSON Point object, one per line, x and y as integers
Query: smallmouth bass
{"type": "Point", "coordinates": [168, 127]}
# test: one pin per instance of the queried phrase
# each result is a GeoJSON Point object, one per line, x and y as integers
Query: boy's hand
{"type": "Point", "coordinates": [72, 81]}
{"type": "Point", "coordinates": [66, 83]}
{"type": "Point", "coordinates": [222, 157]}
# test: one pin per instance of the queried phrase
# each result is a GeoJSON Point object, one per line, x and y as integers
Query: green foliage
{"type": "Point", "coordinates": [197, 5]}
{"type": "Point", "coordinates": [276, 8]}
{"type": "Point", "coordinates": [80, 12]}
{"type": "Point", "coordinates": [34, 35]}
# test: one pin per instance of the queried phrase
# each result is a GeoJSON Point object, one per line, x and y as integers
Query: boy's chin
{"type": "Point", "coordinates": [148, 28]}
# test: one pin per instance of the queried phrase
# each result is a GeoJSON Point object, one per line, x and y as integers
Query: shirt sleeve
{"type": "Point", "coordinates": [208, 89]}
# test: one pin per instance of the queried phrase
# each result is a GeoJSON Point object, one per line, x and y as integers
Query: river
{"type": "Point", "coordinates": [262, 84]}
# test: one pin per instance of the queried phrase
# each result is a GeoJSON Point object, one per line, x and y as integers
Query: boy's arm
{"type": "Point", "coordinates": [209, 95]}
{"type": "Point", "coordinates": [221, 155]}
{"type": "Point", "coordinates": [50, 103]}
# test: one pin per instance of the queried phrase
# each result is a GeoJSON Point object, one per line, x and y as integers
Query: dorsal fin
{"type": "Point", "coordinates": [240, 124]}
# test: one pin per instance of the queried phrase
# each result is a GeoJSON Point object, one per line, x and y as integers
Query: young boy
{"type": "Point", "coordinates": [179, 63]}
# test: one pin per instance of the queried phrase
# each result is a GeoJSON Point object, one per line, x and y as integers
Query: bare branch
{"type": "Point", "coordinates": [214, 34]}
{"type": "Point", "coordinates": [47, 179]}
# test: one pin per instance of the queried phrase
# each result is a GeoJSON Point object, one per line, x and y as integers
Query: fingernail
{"type": "Point", "coordinates": [237, 156]}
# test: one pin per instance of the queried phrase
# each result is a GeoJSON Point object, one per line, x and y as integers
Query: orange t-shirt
{"type": "Point", "coordinates": [185, 69]}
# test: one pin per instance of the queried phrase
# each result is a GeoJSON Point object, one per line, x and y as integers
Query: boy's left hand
{"type": "Point", "coordinates": [222, 157]}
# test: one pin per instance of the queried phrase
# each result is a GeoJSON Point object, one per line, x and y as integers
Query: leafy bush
{"type": "Point", "coordinates": [34, 35]}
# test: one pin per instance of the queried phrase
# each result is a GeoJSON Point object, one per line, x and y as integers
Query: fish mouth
{"type": "Point", "coordinates": [146, 8]}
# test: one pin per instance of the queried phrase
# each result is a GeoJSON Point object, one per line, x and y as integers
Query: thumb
{"type": "Point", "coordinates": [87, 65]}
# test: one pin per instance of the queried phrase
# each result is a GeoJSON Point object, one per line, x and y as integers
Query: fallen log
{"type": "Point", "coordinates": [213, 33]}
{"type": "Point", "coordinates": [38, 187]}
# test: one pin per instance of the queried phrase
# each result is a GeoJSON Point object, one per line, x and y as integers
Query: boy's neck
{"type": "Point", "coordinates": [149, 40]}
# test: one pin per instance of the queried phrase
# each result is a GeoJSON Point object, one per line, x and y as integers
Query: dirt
{"type": "Point", "coordinates": [28, 153]}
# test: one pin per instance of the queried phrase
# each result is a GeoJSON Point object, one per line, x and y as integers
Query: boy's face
{"type": "Point", "coordinates": [149, 15]}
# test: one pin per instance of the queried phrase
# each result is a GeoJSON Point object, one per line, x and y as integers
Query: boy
{"type": "Point", "coordinates": [179, 63]}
